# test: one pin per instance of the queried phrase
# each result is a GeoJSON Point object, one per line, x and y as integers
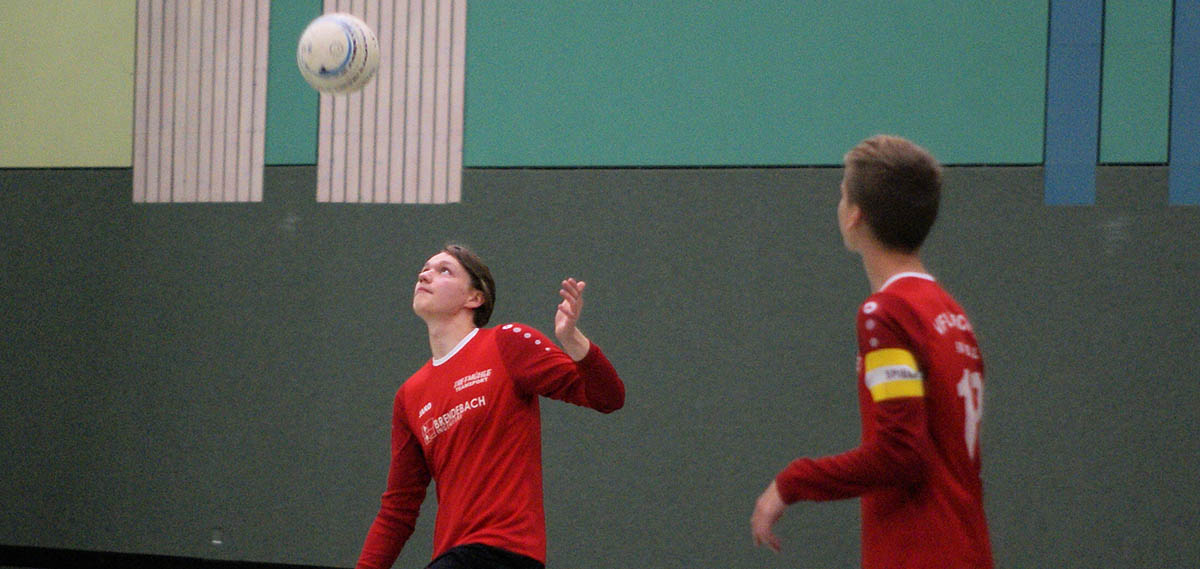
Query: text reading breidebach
{"type": "Point", "coordinates": [438, 425]}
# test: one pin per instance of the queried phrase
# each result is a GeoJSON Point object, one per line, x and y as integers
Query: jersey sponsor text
{"type": "Point", "coordinates": [945, 321]}
{"type": "Point", "coordinates": [472, 380]}
{"type": "Point", "coordinates": [438, 425]}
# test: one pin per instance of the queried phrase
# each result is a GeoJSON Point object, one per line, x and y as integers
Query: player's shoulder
{"type": "Point", "coordinates": [517, 334]}
{"type": "Point", "coordinates": [900, 295]}
{"type": "Point", "coordinates": [882, 304]}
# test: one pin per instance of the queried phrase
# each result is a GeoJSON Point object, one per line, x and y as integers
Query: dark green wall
{"type": "Point", "coordinates": [170, 369]}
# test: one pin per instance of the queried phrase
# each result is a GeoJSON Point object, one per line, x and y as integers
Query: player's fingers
{"type": "Point", "coordinates": [773, 542]}
{"type": "Point", "coordinates": [573, 286]}
{"type": "Point", "coordinates": [572, 302]}
{"type": "Point", "coordinates": [570, 288]}
{"type": "Point", "coordinates": [568, 310]}
{"type": "Point", "coordinates": [764, 536]}
{"type": "Point", "coordinates": [572, 292]}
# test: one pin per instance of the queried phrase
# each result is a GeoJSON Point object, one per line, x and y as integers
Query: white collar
{"type": "Point", "coordinates": [899, 276]}
{"type": "Point", "coordinates": [459, 346]}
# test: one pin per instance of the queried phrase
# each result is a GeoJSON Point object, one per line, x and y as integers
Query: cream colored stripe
{"type": "Point", "coordinates": [370, 93]}
{"type": "Point", "coordinates": [353, 110]}
{"type": "Point", "coordinates": [325, 152]}
{"type": "Point", "coordinates": [179, 107]}
{"type": "Point", "coordinates": [220, 100]}
{"type": "Point", "coordinates": [380, 90]}
{"type": "Point", "coordinates": [141, 106]}
{"type": "Point", "coordinates": [457, 76]}
{"type": "Point", "coordinates": [397, 65]}
{"type": "Point", "coordinates": [399, 140]}
{"type": "Point", "coordinates": [167, 96]}
{"type": "Point", "coordinates": [338, 173]}
{"type": "Point", "coordinates": [204, 116]}
{"type": "Point", "coordinates": [232, 97]}
{"type": "Point", "coordinates": [246, 104]}
{"type": "Point", "coordinates": [441, 108]}
{"type": "Point", "coordinates": [261, 60]}
{"type": "Point", "coordinates": [412, 100]}
{"type": "Point", "coordinates": [153, 103]}
{"type": "Point", "coordinates": [428, 67]}
{"type": "Point", "coordinates": [200, 100]}
{"type": "Point", "coordinates": [190, 121]}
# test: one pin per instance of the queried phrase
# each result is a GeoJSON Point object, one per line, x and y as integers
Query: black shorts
{"type": "Point", "coordinates": [476, 556]}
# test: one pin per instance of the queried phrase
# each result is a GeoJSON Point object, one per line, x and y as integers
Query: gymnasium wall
{"type": "Point", "coordinates": [173, 372]}
{"type": "Point", "coordinates": [611, 83]}
{"type": "Point", "coordinates": [215, 381]}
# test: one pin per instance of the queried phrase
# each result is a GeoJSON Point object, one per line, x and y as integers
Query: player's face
{"type": "Point", "coordinates": [444, 288]}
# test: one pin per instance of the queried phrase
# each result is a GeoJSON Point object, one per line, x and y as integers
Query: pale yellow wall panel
{"type": "Point", "coordinates": [66, 93]}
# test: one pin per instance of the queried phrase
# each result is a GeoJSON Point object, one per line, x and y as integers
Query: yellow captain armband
{"type": "Point", "coordinates": [892, 372]}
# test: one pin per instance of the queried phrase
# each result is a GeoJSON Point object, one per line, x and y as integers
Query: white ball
{"type": "Point", "coordinates": [338, 53]}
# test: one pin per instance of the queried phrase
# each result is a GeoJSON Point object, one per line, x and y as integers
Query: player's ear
{"type": "Point", "coordinates": [854, 216]}
{"type": "Point", "coordinates": [474, 300]}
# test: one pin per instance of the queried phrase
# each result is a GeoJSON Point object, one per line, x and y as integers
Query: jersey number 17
{"type": "Point", "coordinates": [970, 388]}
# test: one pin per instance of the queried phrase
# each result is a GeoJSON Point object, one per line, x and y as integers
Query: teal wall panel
{"type": "Point", "coordinates": [292, 105]}
{"type": "Point", "coordinates": [676, 83]}
{"type": "Point", "coordinates": [1136, 84]}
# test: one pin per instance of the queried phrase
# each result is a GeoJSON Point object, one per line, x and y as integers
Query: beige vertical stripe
{"type": "Point", "coordinates": [258, 143]}
{"type": "Point", "coordinates": [204, 117]}
{"type": "Point", "coordinates": [141, 120]}
{"type": "Point", "coordinates": [220, 100]}
{"type": "Point", "coordinates": [399, 139]}
{"type": "Point", "coordinates": [458, 73]}
{"type": "Point", "coordinates": [412, 99]}
{"type": "Point", "coordinates": [379, 154]}
{"type": "Point", "coordinates": [398, 66]}
{"type": "Point", "coordinates": [200, 100]}
{"type": "Point", "coordinates": [192, 97]}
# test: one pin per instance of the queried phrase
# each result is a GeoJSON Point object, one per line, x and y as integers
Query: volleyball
{"type": "Point", "coordinates": [338, 53]}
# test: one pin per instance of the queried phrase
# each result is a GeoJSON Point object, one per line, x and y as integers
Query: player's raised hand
{"type": "Point", "coordinates": [566, 320]}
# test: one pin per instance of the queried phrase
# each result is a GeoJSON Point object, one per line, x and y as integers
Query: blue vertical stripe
{"type": "Point", "coordinates": [1073, 101]}
{"type": "Point", "coordinates": [1184, 177]}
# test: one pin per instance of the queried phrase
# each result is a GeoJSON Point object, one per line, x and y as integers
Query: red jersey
{"type": "Point", "coordinates": [920, 385]}
{"type": "Point", "coordinates": [471, 422]}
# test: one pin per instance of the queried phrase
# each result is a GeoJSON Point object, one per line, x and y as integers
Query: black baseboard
{"type": "Point", "coordinates": [52, 558]}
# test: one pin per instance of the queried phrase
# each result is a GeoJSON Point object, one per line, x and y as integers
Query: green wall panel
{"type": "Point", "coordinates": [1136, 90]}
{"type": "Point", "coordinates": [680, 83]}
{"type": "Point", "coordinates": [66, 93]}
{"type": "Point", "coordinates": [292, 106]}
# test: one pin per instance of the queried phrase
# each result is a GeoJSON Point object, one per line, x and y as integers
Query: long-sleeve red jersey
{"type": "Point", "coordinates": [917, 470]}
{"type": "Point", "coordinates": [471, 422]}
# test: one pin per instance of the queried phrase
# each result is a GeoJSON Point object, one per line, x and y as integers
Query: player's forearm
{"type": "Point", "coordinates": [895, 457]}
{"type": "Point", "coordinates": [387, 536]}
{"type": "Point", "coordinates": [603, 388]}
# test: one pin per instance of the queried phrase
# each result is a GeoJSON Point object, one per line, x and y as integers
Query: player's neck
{"type": "Point", "coordinates": [882, 264]}
{"type": "Point", "coordinates": [445, 334]}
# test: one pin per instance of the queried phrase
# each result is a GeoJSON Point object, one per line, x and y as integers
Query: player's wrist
{"type": "Point", "coordinates": [575, 344]}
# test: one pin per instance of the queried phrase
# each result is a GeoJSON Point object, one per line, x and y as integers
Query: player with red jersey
{"type": "Point", "coordinates": [920, 384]}
{"type": "Point", "coordinates": [469, 419]}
